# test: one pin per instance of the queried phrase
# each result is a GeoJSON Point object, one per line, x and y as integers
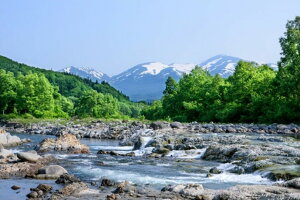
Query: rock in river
{"type": "Point", "coordinates": [67, 142]}
{"type": "Point", "coordinates": [51, 172]}
{"type": "Point", "coordinates": [8, 140]}
{"type": "Point", "coordinates": [30, 156]}
{"type": "Point", "coordinates": [4, 153]}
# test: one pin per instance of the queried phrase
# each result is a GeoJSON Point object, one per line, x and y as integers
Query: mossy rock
{"type": "Point", "coordinates": [258, 158]}
{"type": "Point", "coordinates": [284, 172]}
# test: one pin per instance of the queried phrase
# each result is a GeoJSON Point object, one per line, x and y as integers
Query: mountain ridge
{"type": "Point", "coordinates": [146, 81]}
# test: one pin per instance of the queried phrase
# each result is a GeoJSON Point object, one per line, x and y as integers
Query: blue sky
{"type": "Point", "coordinates": [114, 35]}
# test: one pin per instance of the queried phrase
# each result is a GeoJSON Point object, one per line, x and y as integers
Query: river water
{"type": "Point", "coordinates": [175, 168]}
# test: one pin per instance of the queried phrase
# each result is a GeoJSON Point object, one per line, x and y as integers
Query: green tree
{"type": "Point", "coordinates": [93, 104]}
{"type": "Point", "coordinates": [288, 78]}
{"type": "Point", "coordinates": [171, 86]}
{"type": "Point", "coordinates": [36, 96]}
{"type": "Point", "coordinates": [248, 93]}
{"type": "Point", "coordinates": [169, 102]}
{"type": "Point", "coordinates": [154, 111]}
{"type": "Point", "coordinates": [7, 92]}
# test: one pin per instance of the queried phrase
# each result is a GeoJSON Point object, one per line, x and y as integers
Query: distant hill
{"type": "Point", "coordinates": [69, 85]}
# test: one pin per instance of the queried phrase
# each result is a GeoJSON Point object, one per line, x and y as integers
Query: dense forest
{"type": "Point", "coordinates": [33, 92]}
{"type": "Point", "coordinates": [254, 93]}
{"type": "Point", "coordinates": [69, 85]}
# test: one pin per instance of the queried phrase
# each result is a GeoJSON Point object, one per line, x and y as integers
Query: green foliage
{"type": "Point", "coordinates": [31, 95]}
{"type": "Point", "coordinates": [69, 85]}
{"type": "Point", "coordinates": [249, 93]}
{"type": "Point", "coordinates": [131, 109]}
{"type": "Point", "coordinates": [7, 92]}
{"type": "Point", "coordinates": [94, 104]}
{"type": "Point", "coordinates": [153, 112]}
{"type": "Point", "coordinates": [287, 83]}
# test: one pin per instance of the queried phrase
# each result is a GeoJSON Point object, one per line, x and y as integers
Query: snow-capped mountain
{"type": "Point", "coordinates": [146, 81]}
{"type": "Point", "coordinates": [220, 64]}
{"type": "Point", "coordinates": [85, 72]}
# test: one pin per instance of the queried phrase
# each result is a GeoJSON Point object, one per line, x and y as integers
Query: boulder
{"type": "Point", "coordinates": [67, 142]}
{"type": "Point", "coordinates": [250, 192]}
{"type": "Point", "coordinates": [3, 139]}
{"type": "Point", "coordinates": [71, 189]}
{"type": "Point", "coordinates": [215, 170]}
{"type": "Point", "coordinates": [40, 191]}
{"type": "Point", "coordinates": [15, 187]}
{"type": "Point", "coordinates": [192, 190]}
{"type": "Point", "coordinates": [176, 125]}
{"type": "Point", "coordinates": [44, 187]}
{"type": "Point", "coordinates": [67, 179]}
{"type": "Point", "coordinates": [138, 142]}
{"type": "Point", "coordinates": [158, 125]}
{"type": "Point", "coordinates": [8, 140]}
{"type": "Point", "coordinates": [125, 187]}
{"type": "Point", "coordinates": [294, 183]}
{"type": "Point", "coordinates": [185, 189]}
{"type": "Point", "coordinates": [30, 156]}
{"type": "Point", "coordinates": [237, 170]}
{"type": "Point", "coordinates": [13, 139]}
{"type": "Point", "coordinates": [4, 153]}
{"type": "Point", "coordinates": [111, 197]}
{"type": "Point", "coordinates": [220, 153]}
{"type": "Point", "coordinates": [161, 150]}
{"type": "Point", "coordinates": [107, 182]}
{"type": "Point", "coordinates": [51, 172]}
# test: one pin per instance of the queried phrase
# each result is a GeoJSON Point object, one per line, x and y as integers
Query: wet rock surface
{"type": "Point", "coordinates": [50, 172]}
{"type": "Point", "coordinates": [40, 192]}
{"type": "Point", "coordinates": [7, 140]}
{"type": "Point", "coordinates": [68, 143]}
{"type": "Point", "coordinates": [16, 167]}
{"type": "Point", "coordinates": [31, 156]}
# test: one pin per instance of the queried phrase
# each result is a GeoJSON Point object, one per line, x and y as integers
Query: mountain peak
{"type": "Point", "coordinates": [220, 64]}
{"type": "Point", "coordinates": [86, 72]}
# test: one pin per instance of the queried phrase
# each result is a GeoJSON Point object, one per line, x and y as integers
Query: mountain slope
{"type": "Point", "coordinates": [88, 73]}
{"type": "Point", "coordinates": [146, 81]}
{"type": "Point", "coordinates": [69, 85]}
{"type": "Point", "coordinates": [220, 64]}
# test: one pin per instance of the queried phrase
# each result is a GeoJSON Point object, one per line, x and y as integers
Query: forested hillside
{"type": "Point", "coordinates": [69, 85]}
{"type": "Point", "coordinates": [28, 91]}
{"type": "Point", "coordinates": [253, 93]}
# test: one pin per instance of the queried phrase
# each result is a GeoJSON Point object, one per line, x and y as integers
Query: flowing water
{"type": "Point", "coordinates": [177, 167]}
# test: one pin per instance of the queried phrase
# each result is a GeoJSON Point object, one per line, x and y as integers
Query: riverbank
{"type": "Point", "coordinates": [122, 129]}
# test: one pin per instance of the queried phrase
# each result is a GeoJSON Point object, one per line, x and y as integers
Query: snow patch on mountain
{"type": "Point", "coordinates": [221, 64]}
{"type": "Point", "coordinates": [182, 68]}
{"type": "Point", "coordinates": [86, 72]}
{"type": "Point", "coordinates": [154, 68]}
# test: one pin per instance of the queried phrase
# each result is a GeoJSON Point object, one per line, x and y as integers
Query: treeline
{"type": "Point", "coordinates": [254, 93]}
